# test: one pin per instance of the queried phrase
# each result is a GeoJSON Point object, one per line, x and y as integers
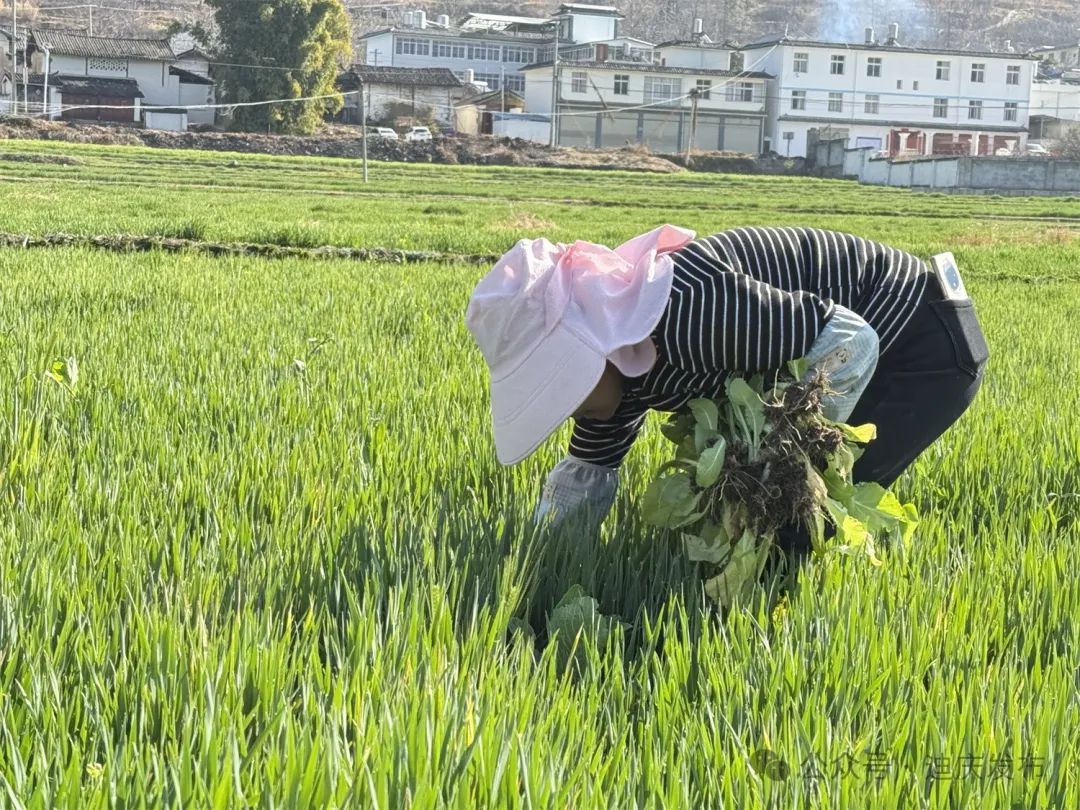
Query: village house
{"type": "Point", "coordinates": [479, 115]}
{"type": "Point", "coordinates": [900, 101]}
{"type": "Point", "coordinates": [494, 46]}
{"type": "Point", "coordinates": [1055, 110]}
{"type": "Point", "coordinates": [612, 100]}
{"type": "Point", "coordinates": [102, 72]}
{"type": "Point", "coordinates": [1062, 56]}
{"type": "Point", "coordinates": [192, 66]}
{"type": "Point", "coordinates": [418, 94]}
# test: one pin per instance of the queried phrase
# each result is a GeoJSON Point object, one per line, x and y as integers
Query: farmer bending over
{"type": "Point", "coordinates": [603, 336]}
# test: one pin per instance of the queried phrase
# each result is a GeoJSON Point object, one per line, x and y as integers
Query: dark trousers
{"type": "Point", "coordinates": [921, 386]}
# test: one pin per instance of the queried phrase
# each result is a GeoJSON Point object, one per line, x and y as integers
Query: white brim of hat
{"type": "Point", "coordinates": [529, 403]}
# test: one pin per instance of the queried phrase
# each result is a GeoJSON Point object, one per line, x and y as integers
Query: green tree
{"type": "Point", "coordinates": [279, 49]}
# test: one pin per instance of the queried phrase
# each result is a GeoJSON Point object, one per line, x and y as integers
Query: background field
{"type": "Point", "coordinates": [228, 578]}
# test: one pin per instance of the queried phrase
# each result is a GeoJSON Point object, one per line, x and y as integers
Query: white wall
{"type": "Point", "coordinates": [538, 89]}
{"type": "Point", "coordinates": [591, 28]}
{"type": "Point", "coordinates": [381, 50]}
{"type": "Point", "coordinates": [511, 125]}
{"type": "Point", "coordinates": [198, 94]}
{"type": "Point", "coordinates": [1057, 100]}
{"type": "Point", "coordinates": [688, 56]}
{"type": "Point", "coordinates": [159, 88]}
{"type": "Point", "coordinates": [438, 99]}
{"type": "Point", "coordinates": [172, 122]}
{"type": "Point", "coordinates": [909, 104]}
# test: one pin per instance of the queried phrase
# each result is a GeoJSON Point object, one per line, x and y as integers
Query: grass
{"type": "Point", "coordinates": [231, 579]}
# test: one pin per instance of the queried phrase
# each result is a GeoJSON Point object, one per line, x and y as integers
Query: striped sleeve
{"type": "Point", "coordinates": [722, 319]}
{"type": "Point", "coordinates": [607, 441]}
{"type": "Point", "coordinates": [900, 286]}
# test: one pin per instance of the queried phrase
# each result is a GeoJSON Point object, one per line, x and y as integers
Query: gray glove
{"type": "Point", "coordinates": [577, 490]}
{"type": "Point", "coordinates": [847, 351]}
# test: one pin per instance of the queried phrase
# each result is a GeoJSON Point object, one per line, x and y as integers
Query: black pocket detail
{"type": "Point", "coordinates": [962, 326]}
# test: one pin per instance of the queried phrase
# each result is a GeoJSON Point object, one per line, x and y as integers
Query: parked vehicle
{"type": "Point", "coordinates": [382, 132]}
{"type": "Point", "coordinates": [418, 134]}
{"type": "Point", "coordinates": [1037, 149]}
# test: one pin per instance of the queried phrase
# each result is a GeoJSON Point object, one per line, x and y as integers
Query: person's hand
{"type": "Point", "coordinates": [846, 350]}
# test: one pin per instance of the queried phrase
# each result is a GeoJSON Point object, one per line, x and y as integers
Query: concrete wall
{"type": "Point", "coordinates": [382, 99]}
{"type": "Point", "coordinates": [521, 125]}
{"type": "Point", "coordinates": [999, 175]}
{"type": "Point", "coordinates": [664, 131]}
{"type": "Point", "coordinates": [198, 94]}
{"type": "Point", "coordinates": [172, 122]}
{"type": "Point", "coordinates": [1037, 174]}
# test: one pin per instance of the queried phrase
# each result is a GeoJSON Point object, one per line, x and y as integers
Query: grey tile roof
{"type": "Point", "coordinates": [877, 46]}
{"type": "Point", "coordinates": [642, 67]}
{"type": "Point", "coordinates": [418, 77]}
{"type": "Point", "coordinates": [97, 86]}
{"type": "Point", "coordinates": [187, 77]}
{"type": "Point", "coordinates": [72, 43]}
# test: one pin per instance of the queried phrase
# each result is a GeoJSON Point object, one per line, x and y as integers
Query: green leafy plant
{"type": "Point", "coordinates": [762, 458]}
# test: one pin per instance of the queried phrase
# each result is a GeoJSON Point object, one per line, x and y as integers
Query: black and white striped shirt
{"type": "Point", "coordinates": [749, 300]}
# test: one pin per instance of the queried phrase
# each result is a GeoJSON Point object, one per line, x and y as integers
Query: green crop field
{"type": "Point", "coordinates": [256, 550]}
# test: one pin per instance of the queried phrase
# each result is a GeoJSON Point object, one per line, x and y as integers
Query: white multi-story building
{"type": "Point", "coordinates": [615, 103]}
{"type": "Point", "coordinates": [493, 46]}
{"type": "Point", "coordinates": [902, 101]}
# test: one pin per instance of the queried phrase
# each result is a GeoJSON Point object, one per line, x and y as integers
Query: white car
{"type": "Point", "coordinates": [418, 134]}
{"type": "Point", "coordinates": [1037, 149]}
{"type": "Point", "coordinates": [382, 132]}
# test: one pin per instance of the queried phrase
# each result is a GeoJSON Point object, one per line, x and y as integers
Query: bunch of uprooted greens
{"type": "Point", "coordinates": [762, 458]}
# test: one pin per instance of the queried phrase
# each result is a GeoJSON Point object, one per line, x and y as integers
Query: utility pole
{"type": "Point", "coordinates": [363, 123]}
{"type": "Point", "coordinates": [553, 140]}
{"type": "Point", "coordinates": [45, 93]}
{"type": "Point", "coordinates": [693, 123]}
{"type": "Point", "coordinates": [14, 63]}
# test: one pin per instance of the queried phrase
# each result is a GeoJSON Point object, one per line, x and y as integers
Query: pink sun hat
{"type": "Point", "coordinates": [547, 318]}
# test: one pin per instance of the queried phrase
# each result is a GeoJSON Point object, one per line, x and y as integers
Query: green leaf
{"type": "Point", "coordinates": [737, 579]}
{"type": "Point", "coordinates": [669, 501]}
{"type": "Point", "coordinates": [740, 394]}
{"type": "Point", "coordinates": [703, 437]}
{"type": "Point", "coordinates": [861, 434]}
{"type": "Point", "coordinates": [798, 368]}
{"type": "Point", "coordinates": [842, 462]}
{"type": "Point", "coordinates": [711, 463]}
{"type": "Point", "coordinates": [747, 413]}
{"type": "Point", "coordinates": [577, 615]}
{"type": "Point", "coordinates": [677, 427]}
{"type": "Point", "coordinates": [871, 500]}
{"type": "Point", "coordinates": [711, 545]}
{"type": "Point", "coordinates": [706, 413]}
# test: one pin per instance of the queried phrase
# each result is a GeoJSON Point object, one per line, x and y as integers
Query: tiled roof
{"type": "Point", "coordinates": [640, 67]}
{"type": "Point", "coordinates": [418, 77]}
{"type": "Point", "coordinates": [72, 43]}
{"type": "Point", "coordinates": [877, 46]}
{"type": "Point", "coordinates": [187, 77]}
{"type": "Point", "coordinates": [97, 86]}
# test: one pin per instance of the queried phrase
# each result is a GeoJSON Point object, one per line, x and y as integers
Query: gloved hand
{"type": "Point", "coordinates": [847, 351]}
{"type": "Point", "coordinates": [577, 490]}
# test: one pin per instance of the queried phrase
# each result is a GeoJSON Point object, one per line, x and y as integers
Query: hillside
{"type": "Point", "coordinates": [951, 23]}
